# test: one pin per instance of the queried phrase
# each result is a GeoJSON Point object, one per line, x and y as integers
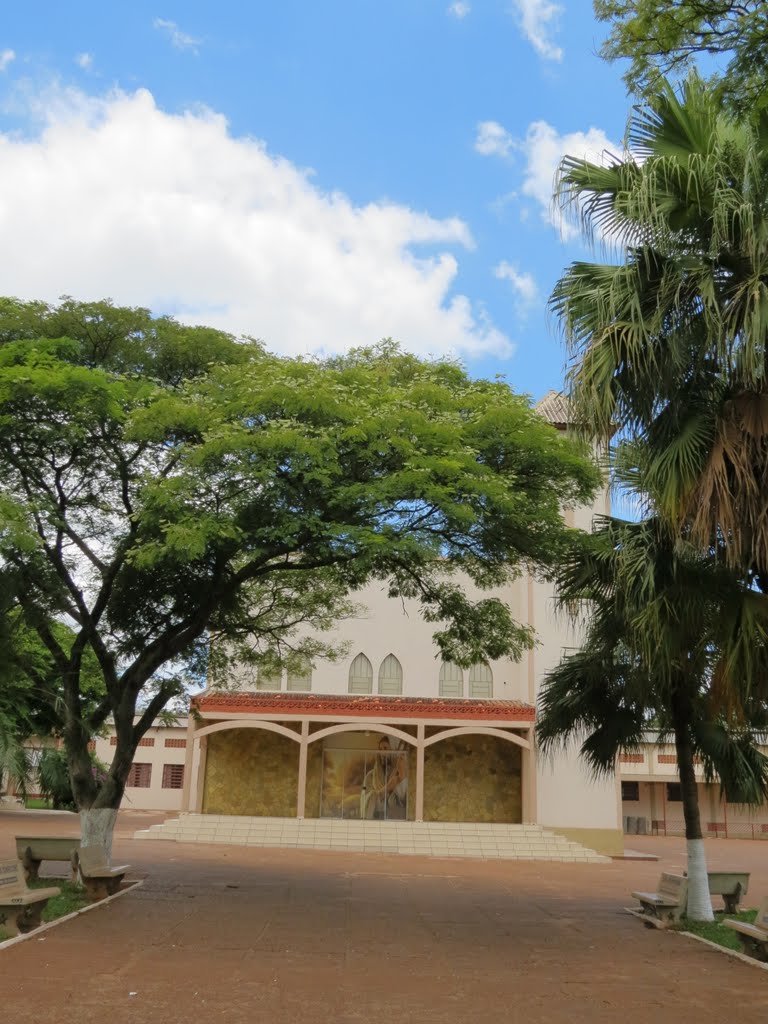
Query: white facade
{"type": "Point", "coordinates": [156, 782]}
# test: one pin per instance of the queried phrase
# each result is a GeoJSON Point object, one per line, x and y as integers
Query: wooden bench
{"type": "Point", "coordinates": [753, 937]}
{"type": "Point", "coordinates": [668, 904]}
{"type": "Point", "coordinates": [32, 850]}
{"type": "Point", "coordinates": [96, 874]}
{"type": "Point", "coordinates": [20, 907]}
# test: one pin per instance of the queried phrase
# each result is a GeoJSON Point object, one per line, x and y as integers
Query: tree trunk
{"type": "Point", "coordinates": [699, 900]}
{"type": "Point", "coordinates": [97, 825]}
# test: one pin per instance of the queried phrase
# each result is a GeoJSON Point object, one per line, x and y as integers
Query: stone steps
{"type": "Point", "coordinates": [433, 839]}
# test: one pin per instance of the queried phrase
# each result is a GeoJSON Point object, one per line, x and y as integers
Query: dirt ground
{"type": "Point", "coordinates": [233, 934]}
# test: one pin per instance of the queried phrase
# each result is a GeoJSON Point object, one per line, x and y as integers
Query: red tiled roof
{"type": "Point", "coordinates": [342, 706]}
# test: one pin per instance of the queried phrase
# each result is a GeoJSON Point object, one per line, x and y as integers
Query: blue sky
{"type": "Point", "coordinates": [314, 175]}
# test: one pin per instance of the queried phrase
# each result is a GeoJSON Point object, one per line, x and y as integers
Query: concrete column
{"type": "Point", "coordinates": [198, 776]}
{"type": "Point", "coordinates": [420, 735]}
{"type": "Point", "coordinates": [301, 796]}
{"type": "Point", "coordinates": [188, 769]}
{"type": "Point", "coordinates": [528, 783]}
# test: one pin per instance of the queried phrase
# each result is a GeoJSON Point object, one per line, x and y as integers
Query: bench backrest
{"type": "Point", "coordinates": [47, 847]}
{"type": "Point", "coordinates": [728, 883]}
{"type": "Point", "coordinates": [92, 858]}
{"type": "Point", "coordinates": [11, 879]}
{"type": "Point", "coordinates": [761, 921]}
{"type": "Point", "coordinates": [673, 886]}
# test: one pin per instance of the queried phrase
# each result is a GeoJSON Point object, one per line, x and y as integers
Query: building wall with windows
{"type": "Point", "coordinates": [651, 801]}
{"type": "Point", "coordinates": [156, 779]}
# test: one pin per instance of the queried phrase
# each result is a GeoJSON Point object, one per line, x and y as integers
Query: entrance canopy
{"type": "Point", "coordinates": [435, 710]}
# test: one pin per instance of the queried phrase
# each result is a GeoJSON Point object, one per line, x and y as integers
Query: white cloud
{"type": "Point", "coordinates": [523, 284]}
{"type": "Point", "coordinates": [459, 9]}
{"type": "Point", "coordinates": [6, 56]}
{"type": "Point", "coordinates": [538, 18]}
{"type": "Point", "coordinates": [493, 139]}
{"type": "Point", "coordinates": [544, 149]}
{"type": "Point", "coordinates": [180, 40]}
{"type": "Point", "coordinates": [84, 60]}
{"type": "Point", "coordinates": [115, 197]}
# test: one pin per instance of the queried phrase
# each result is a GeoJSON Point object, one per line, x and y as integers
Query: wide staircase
{"type": "Point", "coordinates": [431, 839]}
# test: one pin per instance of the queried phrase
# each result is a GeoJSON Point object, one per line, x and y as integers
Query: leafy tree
{"type": "Point", "coordinates": [161, 506]}
{"type": "Point", "coordinates": [669, 345]}
{"type": "Point", "coordinates": [674, 638]}
{"type": "Point", "coordinates": [663, 39]}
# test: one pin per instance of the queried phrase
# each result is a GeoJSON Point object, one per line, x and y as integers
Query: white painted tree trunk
{"type": "Point", "coordinates": [96, 828]}
{"type": "Point", "coordinates": [699, 900]}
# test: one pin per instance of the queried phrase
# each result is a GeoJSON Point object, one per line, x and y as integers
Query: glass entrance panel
{"type": "Point", "coordinates": [365, 784]}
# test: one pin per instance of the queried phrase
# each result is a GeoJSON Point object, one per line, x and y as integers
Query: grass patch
{"type": "Point", "coordinates": [71, 898]}
{"type": "Point", "coordinates": [36, 803]}
{"type": "Point", "coordinates": [715, 930]}
{"type": "Point", "coordinates": [4, 935]}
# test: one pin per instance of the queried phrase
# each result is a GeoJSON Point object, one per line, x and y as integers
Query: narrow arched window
{"type": "Point", "coordinates": [300, 677]}
{"type": "Point", "coordinates": [480, 680]}
{"type": "Point", "coordinates": [391, 676]}
{"type": "Point", "coordinates": [268, 680]}
{"type": "Point", "coordinates": [451, 680]}
{"type": "Point", "coordinates": [361, 675]}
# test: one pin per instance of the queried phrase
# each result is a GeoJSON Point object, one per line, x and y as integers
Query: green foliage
{"type": "Point", "coordinates": [173, 491]}
{"type": "Point", "coordinates": [71, 898]}
{"type": "Point", "coordinates": [668, 345]}
{"type": "Point", "coordinates": [53, 778]}
{"type": "Point", "coordinates": [672, 637]}
{"type": "Point", "coordinates": [715, 930]}
{"type": "Point", "coordinates": [668, 39]}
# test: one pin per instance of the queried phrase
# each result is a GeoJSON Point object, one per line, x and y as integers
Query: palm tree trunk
{"type": "Point", "coordinates": [699, 900]}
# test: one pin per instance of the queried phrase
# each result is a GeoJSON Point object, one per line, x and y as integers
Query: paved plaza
{"type": "Point", "coordinates": [245, 934]}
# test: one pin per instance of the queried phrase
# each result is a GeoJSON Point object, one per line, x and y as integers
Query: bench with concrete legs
{"type": "Point", "coordinates": [731, 885]}
{"type": "Point", "coordinates": [97, 875]}
{"type": "Point", "coordinates": [20, 908]}
{"type": "Point", "coordinates": [32, 850]}
{"type": "Point", "coordinates": [753, 937]}
{"type": "Point", "coordinates": [667, 905]}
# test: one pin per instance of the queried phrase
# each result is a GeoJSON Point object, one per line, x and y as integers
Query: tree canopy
{"type": "Point", "coordinates": [662, 39]}
{"type": "Point", "coordinates": [165, 487]}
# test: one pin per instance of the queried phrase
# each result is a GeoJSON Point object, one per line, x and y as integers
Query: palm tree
{"type": "Point", "coordinates": [669, 345]}
{"type": "Point", "coordinates": [673, 639]}
{"type": "Point", "coordinates": [15, 763]}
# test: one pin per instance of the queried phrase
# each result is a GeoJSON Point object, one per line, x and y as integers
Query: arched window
{"type": "Point", "coordinates": [451, 680]}
{"type": "Point", "coordinates": [391, 676]}
{"type": "Point", "coordinates": [361, 675]}
{"type": "Point", "coordinates": [300, 678]}
{"type": "Point", "coordinates": [480, 680]}
{"type": "Point", "coordinates": [269, 681]}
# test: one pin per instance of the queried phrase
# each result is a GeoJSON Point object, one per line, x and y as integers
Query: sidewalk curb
{"type": "Point", "coordinates": [36, 932]}
{"type": "Point", "coordinates": [729, 952]}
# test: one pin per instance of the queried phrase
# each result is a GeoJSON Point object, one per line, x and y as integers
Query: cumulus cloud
{"type": "Point", "coordinates": [180, 40]}
{"type": "Point", "coordinates": [544, 148]}
{"type": "Point", "coordinates": [538, 19]}
{"type": "Point", "coordinates": [523, 284]}
{"type": "Point", "coordinates": [116, 197]}
{"type": "Point", "coordinates": [493, 139]}
{"type": "Point", "coordinates": [6, 56]}
{"type": "Point", "coordinates": [459, 9]}
{"type": "Point", "coordinates": [84, 61]}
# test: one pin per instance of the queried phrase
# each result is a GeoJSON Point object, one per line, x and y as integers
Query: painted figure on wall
{"type": "Point", "coordinates": [385, 788]}
{"type": "Point", "coordinates": [372, 784]}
